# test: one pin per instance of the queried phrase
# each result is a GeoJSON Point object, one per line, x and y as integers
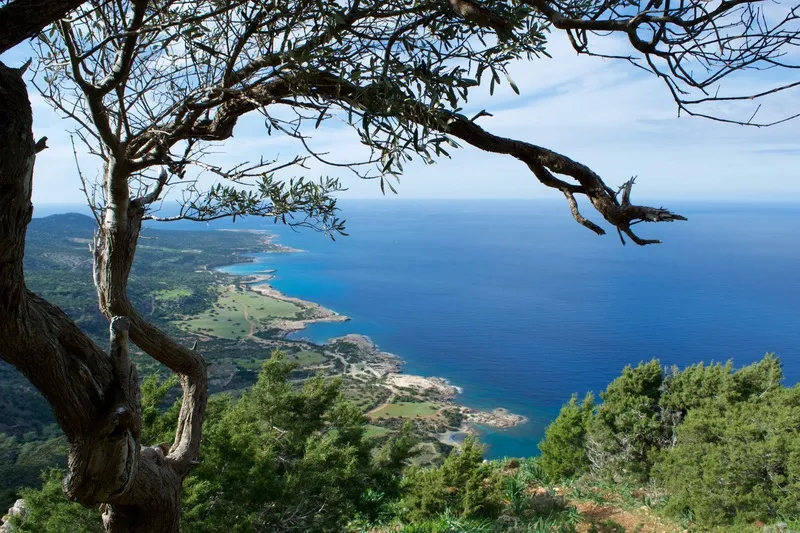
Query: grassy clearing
{"type": "Point", "coordinates": [426, 454]}
{"type": "Point", "coordinates": [407, 410]}
{"type": "Point", "coordinates": [238, 312]}
{"type": "Point", "coordinates": [172, 295]}
{"type": "Point", "coordinates": [252, 363]}
{"type": "Point", "coordinates": [228, 325]}
{"type": "Point", "coordinates": [377, 431]}
{"type": "Point", "coordinates": [306, 357]}
{"type": "Point", "coordinates": [258, 306]}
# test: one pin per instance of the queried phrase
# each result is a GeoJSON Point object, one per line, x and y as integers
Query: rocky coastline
{"type": "Point", "coordinates": [386, 369]}
{"type": "Point", "coordinates": [360, 358]}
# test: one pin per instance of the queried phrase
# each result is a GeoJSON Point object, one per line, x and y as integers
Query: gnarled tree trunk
{"type": "Point", "coordinates": [94, 394]}
{"type": "Point", "coordinates": [114, 250]}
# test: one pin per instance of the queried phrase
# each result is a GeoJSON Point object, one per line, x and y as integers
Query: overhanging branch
{"type": "Point", "coordinates": [544, 163]}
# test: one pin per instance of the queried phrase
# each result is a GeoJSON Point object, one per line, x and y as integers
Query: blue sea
{"type": "Point", "coordinates": [521, 307]}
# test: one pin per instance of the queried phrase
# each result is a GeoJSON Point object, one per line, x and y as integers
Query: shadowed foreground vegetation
{"type": "Point", "coordinates": [702, 449]}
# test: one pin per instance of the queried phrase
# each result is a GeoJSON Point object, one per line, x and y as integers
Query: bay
{"type": "Point", "coordinates": [521, 307]}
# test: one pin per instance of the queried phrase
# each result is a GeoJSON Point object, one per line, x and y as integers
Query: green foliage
{"type": "Point", "coordinates": [464, 485]}
{"type": "Point", "coordinates": [288, 459]}
{"type": "Point", "coordinates": [724, 445]}
{"type": "Point", "coordinates": [627, 428]}
{"type": "Point", "coordinates": [157, 425]}
{"type": "Point", "coordinates": [564, 445]}
{"type": "Point", "coordinates": [48, 511]}
{"type": "Point", "coordinates": [528, 506]}
{"type": "Point", "coordinates": [532, 472]}
{"type": "Point", "coordinates": [297, 202]}
{"type": "Point", "coordinates": [702, 385]}
{"type": "Point", "coordinates": [392, 458]}
{"type": "Point", "coordinates": [448, 522]}
{"type": "Point", "coordinates": [281, 458]}
{"type": "Point", "coordinates": [21, 464]}
{"type": "Point", "coordinates": [737, 462]}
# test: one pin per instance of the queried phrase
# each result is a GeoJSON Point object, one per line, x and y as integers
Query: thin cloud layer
{"type": "Point", "coordinates": [604, 113]}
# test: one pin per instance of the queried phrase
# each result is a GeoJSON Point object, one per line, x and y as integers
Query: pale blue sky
{"type": "Point", "coordinates": [606, 114]}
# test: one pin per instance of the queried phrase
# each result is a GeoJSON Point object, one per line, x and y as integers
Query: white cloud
{"type": "Point", "coordinates": [606, 114]}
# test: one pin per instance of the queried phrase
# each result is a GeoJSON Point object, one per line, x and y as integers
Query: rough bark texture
{"type": "Point", "coordinates": [22, 19]}
{"type": "Point", "coordinates": [72, 372]}
{"type": "Point", "coordinates": [94, 394]}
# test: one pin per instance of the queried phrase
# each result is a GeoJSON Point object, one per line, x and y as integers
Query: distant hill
{"type": "Point", "coordinates": [67, 223]}
{"type": "Point", "coordinates": [59, 242]}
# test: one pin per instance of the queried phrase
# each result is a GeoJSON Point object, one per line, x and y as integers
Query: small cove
{"type": "Point", "coordinates": [521, 310]}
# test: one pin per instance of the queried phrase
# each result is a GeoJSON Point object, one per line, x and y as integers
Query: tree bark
{"type": "Point", "coordinates": [22, 19]}
{"type": "Point", "coordinates": [114, 251]}
{"type": "Point", "coordinates": [94, 394]}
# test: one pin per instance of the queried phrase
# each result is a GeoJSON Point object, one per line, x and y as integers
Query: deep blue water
{"type": "Point", "coordinates": [520, 306]}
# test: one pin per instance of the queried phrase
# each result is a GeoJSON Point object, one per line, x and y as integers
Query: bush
{"type": "Point", "coordinates": [288, 459]}
{"type": "Point", "coordinates": [464, 485]}
{"type": "Point", "coordinates": [281, 458]}
{"type": "Point", "coordinates": [564, 445]}
{"type": "Point", "coordinates": [724, 444]}
{"type": "Point", "coordinates": [22, 463]}
{"type": "Point", "coordinates": [738, 462]}
{"type": "Point", "coordinates": [48, 511]}
{"type": "Point", "coordinates": [627, 428]}
{"type": "Point", "coordinates": [449, 523]}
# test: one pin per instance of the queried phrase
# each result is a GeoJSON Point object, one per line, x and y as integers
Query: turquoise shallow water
{"type": "Point", "coordinates": [521, 307]}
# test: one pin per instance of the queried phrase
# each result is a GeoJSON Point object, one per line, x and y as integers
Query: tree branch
{"type": "Point", "coordinates": [691, 46]}
{"type": "Point", "coordinates": [122, 63]}
{"type": "Point", "coordinates": [541, 161]}
{"type": "Point", "coordinates": [23, 19]}
{"type": "Point", "coordinates": [114, 249]}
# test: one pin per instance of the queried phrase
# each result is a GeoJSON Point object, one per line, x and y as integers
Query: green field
{"type": "Point", "coordinates": [407, 410]}
{"type": "Point", "coordinates": [377, 431]}
{"type": "Point", "coordinates": [172, 295]}
{"type": "Point", "coordinates": [236, 312]}
{"type": "Point", "coordinates": [306, 357]}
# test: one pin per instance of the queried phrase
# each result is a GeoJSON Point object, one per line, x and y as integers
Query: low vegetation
{"type": "Point", "coordinates": [663, 451]}
{"type": "Point", "coordinates": [406, 409]}
{"type": "Point", "coordinates": [713, 446]}
{"type": "Point", "coordinates": [238, 313]}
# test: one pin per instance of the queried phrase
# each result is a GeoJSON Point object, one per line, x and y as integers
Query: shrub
{"type": "Point", "coordinates": [724, 445]}
{"type": "Point", "coordinates": [464, 485]}
{"type": "Point", "coordinates": [48, 511]}
{"type": "Point", "coordinates": [627, 429]}
{"type": "Point", "coordinates": [564, 445]}
{"type": "Point", "coordinates": [738, 462]}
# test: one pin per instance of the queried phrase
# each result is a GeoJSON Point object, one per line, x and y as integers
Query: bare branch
{"type": "Point", "coordinates": [691, 46]}
{"type": "Point", "coordinates": [573, 207]}
{"type": "Point", "coordinates": [41, 145]}
{"type": "Point", "coordinates": [122, 64]}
